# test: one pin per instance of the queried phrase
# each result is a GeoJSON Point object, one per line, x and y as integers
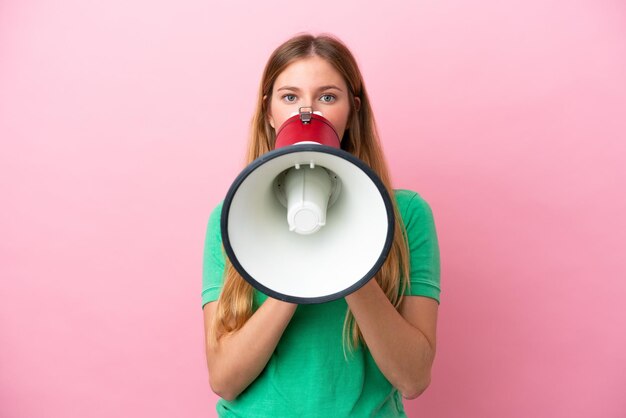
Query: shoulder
{"type": "Point", "coordinates": [411, 205]}
{"type": "Point", "coordinates": [213, 261]}
{"type": "Point", "coordinates": [217, 210]}
{"type": "Point", "coordinates": [215, 217]}
{"type": "Point", "coordinates": [213, 237]}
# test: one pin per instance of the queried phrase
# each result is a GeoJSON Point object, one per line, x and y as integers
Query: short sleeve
{"type": "Point", "coordinates": [423, 245]}
{"type": "Point", "coordinates": [213, 260]}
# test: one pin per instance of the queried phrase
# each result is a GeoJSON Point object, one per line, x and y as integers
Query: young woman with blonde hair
{"type": "Point", "coordinates": [352, 357]}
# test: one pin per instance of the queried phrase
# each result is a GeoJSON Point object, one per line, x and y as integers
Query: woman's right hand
{"type": "Point", "coordinates": [240, 357]}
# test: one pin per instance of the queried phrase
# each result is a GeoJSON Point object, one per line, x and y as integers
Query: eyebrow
{"type": "Point", "coordinates": [322, 88]}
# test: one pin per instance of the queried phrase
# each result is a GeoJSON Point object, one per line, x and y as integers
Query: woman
{"type": "Point", "coordinates": [356, 356]}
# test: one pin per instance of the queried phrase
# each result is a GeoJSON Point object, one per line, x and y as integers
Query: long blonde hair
{"type": "Point", "coordinates": [235, 304]}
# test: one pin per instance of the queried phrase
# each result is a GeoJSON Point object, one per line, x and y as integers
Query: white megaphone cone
{"type": "Point", "coordinates": [307, 222]}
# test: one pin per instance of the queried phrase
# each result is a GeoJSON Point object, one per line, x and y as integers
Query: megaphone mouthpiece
{"type": "Point", "coordinates": [306, 127]}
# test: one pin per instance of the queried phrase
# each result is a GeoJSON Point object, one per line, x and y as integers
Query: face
{"type": "Point", "coordinates": [310, 82]}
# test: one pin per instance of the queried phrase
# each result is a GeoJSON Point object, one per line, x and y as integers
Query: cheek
{"type": "Point", "coordinates": [340, 127]}
{"type": "Point", "coordinates": [339, 120]}
{"type": "Point", "coordinates": [279, 114]}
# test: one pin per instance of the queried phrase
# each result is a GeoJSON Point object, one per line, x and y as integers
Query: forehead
{"type": "Point", "coordinates": [309, 72]}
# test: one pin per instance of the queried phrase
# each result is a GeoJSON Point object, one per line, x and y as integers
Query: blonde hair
{"type": "Point", "coordinates": [235, 304]}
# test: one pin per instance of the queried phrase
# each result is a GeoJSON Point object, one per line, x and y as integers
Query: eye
{"type": "Point", "coordinates": [327, 98]}
{"type": "Point", "coordinates": [289, 98]}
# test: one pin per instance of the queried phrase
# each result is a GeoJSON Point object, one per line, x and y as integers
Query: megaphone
{"type": "Point", "coordinates": [307, 222]}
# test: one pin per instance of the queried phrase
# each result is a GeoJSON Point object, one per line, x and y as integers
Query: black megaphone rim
{"type": "Point", "coordinates": [305, 148]}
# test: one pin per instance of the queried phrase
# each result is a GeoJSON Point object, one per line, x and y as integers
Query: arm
{"type": "Point", "coordinates": [402, 343]}
{"type": "Point", "coordinates": [240, 357]}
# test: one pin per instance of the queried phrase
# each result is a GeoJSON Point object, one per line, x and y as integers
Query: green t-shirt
{"type": "Point", "coordinates": [308, 375]}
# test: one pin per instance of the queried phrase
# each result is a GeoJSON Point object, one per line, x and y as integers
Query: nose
{"type": "Point", "coordinates": [309, 109]}
{"type": "Point", "coordinates": [313, 107]}
{"type": "Point", "coordinates": [310, 102]}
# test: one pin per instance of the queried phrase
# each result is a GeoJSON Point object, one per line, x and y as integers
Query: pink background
{"type": "Point", "coordinates": [123, 123]}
